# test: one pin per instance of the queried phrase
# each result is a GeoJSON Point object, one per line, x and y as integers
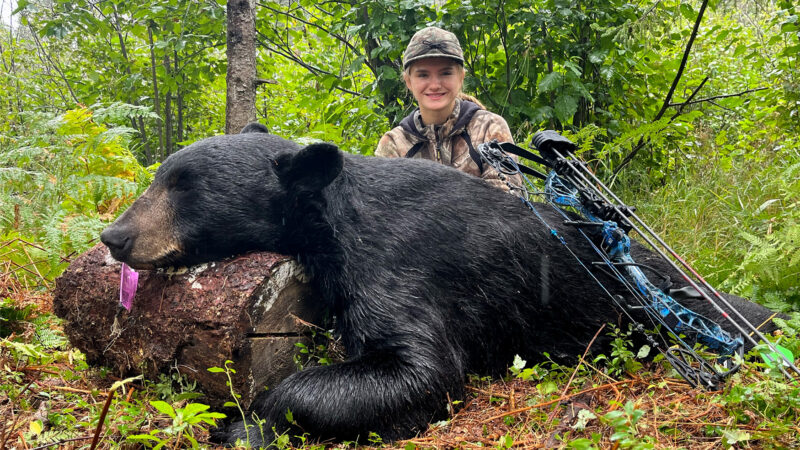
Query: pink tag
{"type": "Point", "coordinates": [128, 282]}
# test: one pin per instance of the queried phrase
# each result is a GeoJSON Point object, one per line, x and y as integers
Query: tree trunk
{"type": "Point", "coordinates": [249, 309]}
{"type": "Point", "coordinates": [240, 106]}
{"type": "Point", "coordinates": [156, 98]}
{"type": "Point", "coordinates": [180, 99]}
{"type": "Point", "coordinates": [167, 109]}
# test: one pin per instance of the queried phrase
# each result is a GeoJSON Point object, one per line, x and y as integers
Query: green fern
{"type": "Point", "coordinates": [64, 180]}
{"type": "Point", "coordinates": [772, 264]}
{"type": "Point", "coordinates": [47, 334]}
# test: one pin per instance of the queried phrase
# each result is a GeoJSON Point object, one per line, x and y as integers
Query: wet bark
{"type": "Point", "coordinates": [249, 309]}
{"type": "Point", "coordinates": [240, 103]}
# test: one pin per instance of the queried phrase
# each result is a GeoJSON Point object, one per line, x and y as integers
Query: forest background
{"type": "Point", "coordinates": [688, 108]}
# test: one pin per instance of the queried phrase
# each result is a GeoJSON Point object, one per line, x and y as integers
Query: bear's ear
{"type": "Point", "coordinates": [312, 168]}
{"type": "Point", "coordinates": [254, 127]}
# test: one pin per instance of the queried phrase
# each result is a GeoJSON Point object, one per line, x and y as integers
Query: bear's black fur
{"type": "Point", "coordinates": [431, 273]}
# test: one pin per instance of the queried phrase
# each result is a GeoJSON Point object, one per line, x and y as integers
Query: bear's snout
{"type": "Point", "coordinates": [117, 240]}
{"type": "Point", "coordinates": [144, 236]}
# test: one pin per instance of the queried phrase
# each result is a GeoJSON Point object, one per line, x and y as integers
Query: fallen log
{"type": "Point", "coordinates": [250, 309]}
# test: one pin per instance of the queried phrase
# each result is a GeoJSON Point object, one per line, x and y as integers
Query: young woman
{"type": "Point", "coordinates": [448, 125]}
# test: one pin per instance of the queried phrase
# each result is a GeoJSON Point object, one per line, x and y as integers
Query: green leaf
{"type": "Point", "coordinates": [21, 5]}
{"type": "Point", "coordinates": [565, 107]}
{"type": "Point", "coordinates": [643, 352]}
{"type": "Point", "coordinates": [550, 82]}
{"type": "Point", "coordinates": [547, 387]}
{"type": "Point", "coordinates": [581, 444]}
{"type": "Point", "coordinates": [619, 435]}
{"type": "Point", "coordinates": [193, 408]}
{"type": "Point", "coordinates": [519, 363]}
{"type": "Point", "coordinates": [142, 437]}
{"type": "Point", "coordinates": [573, 67]}
{"type": "Point", "coordinates": [731, 437]}
{"type": "Point", "coordinates": [688, 12]}
{"type": "Point", "coordinates": [163, 407]}
{"type": "Point", "coordinates": [597, 57]}
{"type": "Point", "coordinates": [772, 359]}
{"type": "Point", "coordinates": [216, 369]}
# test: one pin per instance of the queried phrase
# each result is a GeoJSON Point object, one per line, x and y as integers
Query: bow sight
{"type": "Point", "coordinates": [607, 223]}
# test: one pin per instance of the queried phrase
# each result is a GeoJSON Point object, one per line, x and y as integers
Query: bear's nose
{"type": "Point", "coordinates": [116, 240]}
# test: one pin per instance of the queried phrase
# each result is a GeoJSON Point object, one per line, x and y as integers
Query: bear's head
{"type": "Point", "coordinates": [218, 197]}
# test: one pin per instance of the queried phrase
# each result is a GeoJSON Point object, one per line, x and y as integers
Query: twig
{"type": "Point", "coordinates": [562, 398]}
{"type": "Point", "coordinates": [78, 391]}
{"type": "Point", "coordinates": [101, 420]}
{"type": "Point", "coordinates": [55, 66]}
{"type": "Point", "coordinates": [62, 441]}
{"type": "Point", "coordinates": [490, 394]}
{"type": "Point", "coordinates": [720, 106]}
{"type": "Point", "coordinates": [42, 369]}
{"type": "Point", "coordinates": [5, 435]}
{"type": "Point", "coordinates": [715, 97]}
{"type": "Point", "coordinates": [580, 361]}
{"type": "Point", "coordinates": [290, 55]}
{"type": "Point", "coordinates": [22, 439]}
{"type": "Point", "coordinates": [701, 414]}
{"type": "Point", "coordinates": [688, 100]}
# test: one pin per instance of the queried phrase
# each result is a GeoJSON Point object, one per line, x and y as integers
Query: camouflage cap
{"type": "Point", "coordinates": [432, 42]}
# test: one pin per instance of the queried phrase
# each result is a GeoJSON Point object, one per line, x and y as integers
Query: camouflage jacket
{"type": "Point", "coordinates": [446, 144]}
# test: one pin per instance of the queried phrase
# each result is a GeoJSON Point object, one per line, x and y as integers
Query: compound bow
{"type": "Point", "coordinates": [571, 184]}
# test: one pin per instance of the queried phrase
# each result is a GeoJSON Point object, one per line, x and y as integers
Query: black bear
{"type": "Point", "coordinates": [431, 273]}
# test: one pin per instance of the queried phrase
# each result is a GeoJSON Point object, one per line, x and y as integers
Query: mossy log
{"type": "Point", "coordinates": [250, 309]}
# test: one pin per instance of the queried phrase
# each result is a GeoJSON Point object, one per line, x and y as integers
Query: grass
{"type": "Point", "coordinates": [720, 216]}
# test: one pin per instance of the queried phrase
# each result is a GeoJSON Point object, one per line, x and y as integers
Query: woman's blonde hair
{"type": "Point", "coordinates": [470, 98]}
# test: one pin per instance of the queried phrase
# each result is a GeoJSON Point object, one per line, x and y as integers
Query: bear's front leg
{"type": "Point", "coordinates": [394, 392]}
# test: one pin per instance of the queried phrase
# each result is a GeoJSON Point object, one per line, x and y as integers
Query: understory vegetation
{"type": "Point", "coordinates": [95, 94]}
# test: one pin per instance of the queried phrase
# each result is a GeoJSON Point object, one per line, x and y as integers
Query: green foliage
{"type": "Point", "coordinates": [317, 353]}
{"type": "Point", "coordinates": [185, 421]}
{"type": "Point", "coordinates": [537, 372]}
{"type": "Point", "coordinates": [622, 359]}
{"type": "Point", "coordinates": [735, 218]}
{"type": "Point", "coordinates": [61, 184]}
{"type": "Point", "coordinates": [175, 386]}
{"type": "Point", "coordinates": [160, 55]}
{"type": "Point", "coordinates": [11, 315]}
{"type": "Point", "coordinates": [624, 421]}
{"type": "Point", "coordinates": [229, 372]}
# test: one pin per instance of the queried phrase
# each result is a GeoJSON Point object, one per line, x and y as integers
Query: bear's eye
{"type": "Point", "coordinates": [182, 181]}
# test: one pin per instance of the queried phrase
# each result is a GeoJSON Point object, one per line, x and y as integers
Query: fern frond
{"type": "Point", "coordinates": [119, 112]}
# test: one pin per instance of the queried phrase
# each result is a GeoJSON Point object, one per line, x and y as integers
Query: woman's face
{"type": "Point", "coordinates": [435, 83]}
